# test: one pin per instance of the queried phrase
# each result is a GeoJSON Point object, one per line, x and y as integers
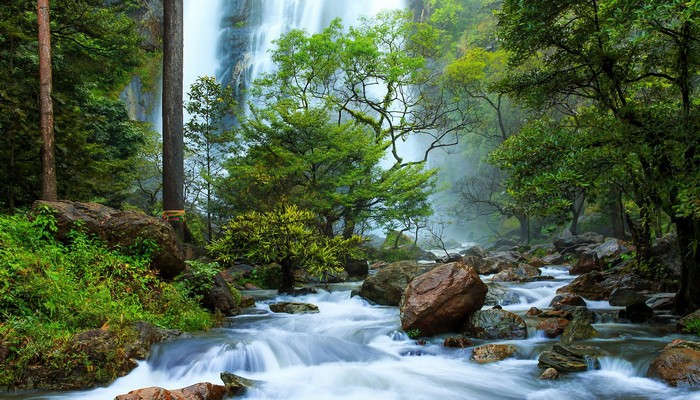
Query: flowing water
{"type": "Point", "coordinates": [356, 350]}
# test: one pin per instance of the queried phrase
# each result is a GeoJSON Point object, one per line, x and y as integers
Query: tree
{"type": "Point", "coordinates": [286, 235]}
{"type": "Point", "coordinates": [49, 190]}
{"type": "Point", "coordinates": [634, 62]}
{"type": "Point", "coordinates": [173, 140]}
{"type": "Point", "coordinates": [92, 59]}
{"type": "Point", "coordinates": [378, 79]}
{"type": "Point", "coordinates": [209, 139]}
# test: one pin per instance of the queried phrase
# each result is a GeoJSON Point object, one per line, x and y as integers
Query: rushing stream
{"type": "Point", "coordinates": [355, 350]}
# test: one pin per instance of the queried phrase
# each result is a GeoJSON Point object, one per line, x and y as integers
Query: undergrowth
{"type": "Point", "coordinates": [50, 291]}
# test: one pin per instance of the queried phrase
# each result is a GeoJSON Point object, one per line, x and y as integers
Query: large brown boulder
{"type": "Point", "coordinates": [388, 285]}
{"type": "Point", "coordinates": [587, 262]}
{"type": "Point", "coordinates": [198, 391]}
{"type": "Point", "coordinates": [120, 229]}
{"type": "Point", "coordinates": [570, 358]}
{"type": "Point", "coordinates": [441, 300]}
{"type": "Point", "coordinates": [678, 364]}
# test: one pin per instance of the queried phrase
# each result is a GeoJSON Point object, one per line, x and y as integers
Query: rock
{"type": "Point", "coordinates": [441, 300]}
{"type": "Point", "coordinates": [122, 229]}
{"type": "Point", "coordinates": [521, 273]}
{"type": "Point", "coordinates": [566, 314]}
{"type": "Point", "coordinates": [379, 265]}
{"type": "Point", "coordinates": [661, 301]}
{"type": "Point", "coordinates": [624, 297]}
{"type": "Point", "coordinates": [247, 302]}
{"type": "Point", "coordinates": [682, 323]}
{"type": "Point", "coordinates": [598, 286]}
{"type": "Point", "coordinates": [449, 258]}
{"type": "Point", "coordinates": [678, 364]}
{"type": "Point", "coordinates": [587, 262]}
{"type": "Point", "coordinates": [554, 259]}
{"type": "Point", "coordinates": [219, 297]}
{"type": "Point", "coordinates": [236, 385]}
{"type": "Point", "coordinates": [457, 341]}
{"type": "Point", "coordinates": [251, 286]}
{"type": "Point", "coordinates": [534, 312]}
{"type": "Point", "coordinates": [148, 335]}
{"type": "Point", "coordinates": [553, 327]}
{"type": "Point", "coordinates": [569, 358]}
{"type": "Point", "coordinates": [493, 352]}
{"type": "Point", "coordinates": [499, 294]}
{"type": "Point", "coordinates": [578, 329]}
{"type": "Point", "coordinates": [549, 374]}
{"type": "Point", "coordinates": [388, 285]}
{"type": "Point", "coordinates": [293, 308]}
{"type": "Point", "coordinates": [568, 245]}
{"type": "Point", "coordinates": [609, 249]}
{"type": "Point", "coordinates": [199, 391]}
{"type": "Point", "coordinates": [480, 264]}
{"type": "Point", "coordinates": [668, 254]}
{"type": "Point", "coordinates": [637, 312]}
{"type": "Point", "coordinates": [476, 251]}
{"type": "Point", "coordinates": [495, 324]}
{"type": "Point", "coordinates": [566, 300]}
{"type": "Point", "coordinates": [357, 268]}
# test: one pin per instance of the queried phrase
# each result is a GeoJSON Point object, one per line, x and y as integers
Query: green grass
{"type": "Point", "coordinates": [50, 291]}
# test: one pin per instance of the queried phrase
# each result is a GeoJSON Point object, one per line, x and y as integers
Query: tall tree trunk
{"type": "Point", "coordinates": [287, 284]}
{"type": "Point", "coordinates": [576, 209]}
{"type": "Point", "coordinates": [524, 222]}
{"type": "Point", "coordinates": [49, 190]}
{"type": "Point", "coordinates": [173, 142]}
{"type": "Point", "coordinates": [613, 203]}
{"type": "Point", "coordinates": [688, 296]}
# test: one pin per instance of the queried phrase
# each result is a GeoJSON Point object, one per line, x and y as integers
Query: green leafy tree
{"type": "Point", "coordinates": [635, 62]}
{"type": "Point", "coordinates": [286, 235]}
{"type": "Point", "coordinates": [209, 138]}
{"type": "Point", "coordinates": [375, 79]}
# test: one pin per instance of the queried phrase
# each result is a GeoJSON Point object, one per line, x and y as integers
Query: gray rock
{"type": "Point", "coordinates": [495, 324]}
{"type": "Point", "coordinates": [625, 296]}
{"type": "Point", "coordinates": [293, 308]}
{"type": "Point", "coordinates": [569, 358]}
{"type": "Point", "coordinates": [387, 286]}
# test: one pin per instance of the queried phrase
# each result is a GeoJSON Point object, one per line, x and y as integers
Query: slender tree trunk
{"type": "Point", "coordinates": [576, 209]}
{"type": "Point", "coordinates": [49, 190]}
{"type": "Point", "coordinates": [524, 222]}
{"type": "Point", "coordinates": [173, 142]}
{"type": "Point", "coordinates": [688, 296]}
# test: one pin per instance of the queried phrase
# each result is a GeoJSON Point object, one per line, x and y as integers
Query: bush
{"type": "Point", "coordinates": [50, 290]}
{"type": "Point", "coordinates": [693, 326]}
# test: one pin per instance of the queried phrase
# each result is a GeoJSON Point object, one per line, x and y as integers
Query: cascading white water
{"type": "Point", "coordinates": [275, 17]}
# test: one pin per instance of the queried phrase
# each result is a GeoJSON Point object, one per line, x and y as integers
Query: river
{"type": "Point", "coordinates": [355, 350]}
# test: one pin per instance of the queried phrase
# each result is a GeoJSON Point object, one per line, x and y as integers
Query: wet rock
{"type": "Point", "coordinates": [236, 385]}
{"type": "Point", "coordinates": [637, 312]}
{"type": "Point", "coordinates": [480, 264]}
{"type": "Point", "coordinates": [598, 286]}
{"type": "Point", "coordinates": [449, 258]}
{"type": "Point", "coordinates": [474, 251]}
{"type": "Point", "coordinates": [493, 352]}
{"type": "Point", "coordinates": [568, 245]}
{"type": "Point", "coordinates": [587, 262]}
{"type": "Point", "coordinates": [251, 286]}
{"type": "Point", "coordinates": [625, 296]}
{"type": "Point", "coordinates": [578, 329]}
{"type": "Point", "coordinates": [293, 308]}
{"type": "Point", "coordinates": [554, 259]}
{"type": "Point", "coordinates": [219, 297]}
{"type": "Point", "coordinates": [609, 249]}
{"type": "Point", "coordinates": [440, 300]}
{"type": "Point", "coordinates": [569, 358]}
{"type": "Point", "coordinates": [379, 265]}
{"type": "Point", "coordinates": [499, 294]}
{"type": "Point", "coordinates": [388, 285]}
{"type": "Point", "coordinates": [357, 268]}
{"type": "Point", "coordinates": [495, 324]}
{"type": "Point", "coordinates": [566, 300]}
{"type": "Point", "coordinates": [199, 391]}
{"type": "Point", "coordinates": [549, 374]}
{"type": "Point", "coordinates": [682, 323]}
{"type": "Point", "coordinates": [122, 229]}
{"type": "Point", "coordinates": [678, 364]}
{"type": "Point", "coordinates": [247, 302]}
{"type": "Point", "coordinates": [148, 335]}
{"type": "Point", "coordinates": [534, 312]}
{"type": "Point", "coordinates": [661, 301]}
{"type": "Point", "coordinates": [457, 341]}
{"type": "Point", "coordinates": [553, 327]}
{"type": "Point", "coordinates": [522, 273]}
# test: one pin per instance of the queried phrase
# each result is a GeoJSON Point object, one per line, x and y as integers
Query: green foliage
{"type": "Point", "coordinates": [50, 291]}
{"type": "Point", "coordinates": [198, 277]}
{"type": "Point", "coordinates": [285, 235]}
{"type": "Point", "coordinates": [93, 58]}
{"type": "Point", "coordinates": [693, 326]}
{"type": "Point", "coordinates": [413, 333]}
